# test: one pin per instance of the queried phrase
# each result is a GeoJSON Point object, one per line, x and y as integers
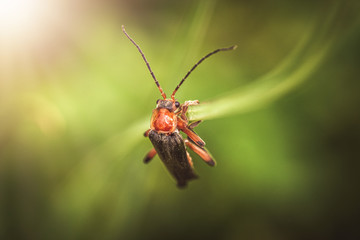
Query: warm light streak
{"type": "Point", "coordinates": [18, 17]}
{"type": "Point", "coordinates": [29, 30]}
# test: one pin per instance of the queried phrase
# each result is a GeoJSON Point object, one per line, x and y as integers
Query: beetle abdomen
{"type": "Point", "coordinates": [171, 150]}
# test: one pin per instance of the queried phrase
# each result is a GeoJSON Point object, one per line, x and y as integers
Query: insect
{"type": "Point", "coordinates": [168, 118]}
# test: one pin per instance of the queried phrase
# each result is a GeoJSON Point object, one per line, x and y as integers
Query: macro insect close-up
{"type": "Point", "coordinates": [168, 118]}
{"type": "Point", "coordinates": [261, 142]}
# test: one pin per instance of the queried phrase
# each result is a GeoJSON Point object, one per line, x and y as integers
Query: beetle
{"type": "Point", "coordinates": [168, 118]}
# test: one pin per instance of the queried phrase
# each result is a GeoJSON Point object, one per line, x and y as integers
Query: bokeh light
{"type": "Point", "coordinates": [20, 16]}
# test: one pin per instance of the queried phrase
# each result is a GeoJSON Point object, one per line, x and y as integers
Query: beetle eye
{"type": "Point", "coordinates": [177, 104]}
{"type": "Point", "coordinates": [157, 101]}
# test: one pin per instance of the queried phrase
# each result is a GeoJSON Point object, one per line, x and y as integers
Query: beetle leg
{"type": "Point", "coordinates": [146, 134]}
{"type": "Point", "coordinates": [150, 155]}
{"type": "Point", "coordinates": [182, 125]}
{"type": "Point", "coordinates": [187, 129]}
{"type": "Point", "coordinates": [193, 136]}
{"type": "Point", "coordinates": [185, 106]}
{"type": "Point", "coordinates": [201, 152]}
{"type": "Point", "coordinates": [191, 103]}
{"type": "Point", "coordinates": [194, 124]}
{"type": "Point", "coordinates": [189, 159]}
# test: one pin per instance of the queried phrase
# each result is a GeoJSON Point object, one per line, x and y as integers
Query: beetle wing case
{"type": "Point", "coordinates": [171, 150]}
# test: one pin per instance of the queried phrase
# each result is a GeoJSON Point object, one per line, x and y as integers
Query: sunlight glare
{"type": "Point", "coordinates": [19, 16]}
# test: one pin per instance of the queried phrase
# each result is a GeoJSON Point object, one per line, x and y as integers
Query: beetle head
{"type": "Point", "coordinates": [169, 104]}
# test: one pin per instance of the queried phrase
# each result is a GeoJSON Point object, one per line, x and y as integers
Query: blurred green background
{"type": "Point", "coordinates": [282, 119]}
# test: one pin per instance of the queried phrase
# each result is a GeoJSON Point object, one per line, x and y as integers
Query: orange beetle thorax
{"type": "Point", "coordinates": [163, 120]}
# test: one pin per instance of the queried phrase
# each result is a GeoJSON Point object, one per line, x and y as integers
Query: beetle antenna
{"type": "Point", "coordinates": [147, 63]}
{"type": "Point", "coordinates": [202, 59]}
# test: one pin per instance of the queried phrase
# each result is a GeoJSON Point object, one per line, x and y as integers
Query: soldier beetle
{"type": "Point", "coordinates": [168, 118]}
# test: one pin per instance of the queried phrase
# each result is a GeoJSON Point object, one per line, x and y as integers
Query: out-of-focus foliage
{"type": "Point", "coordinates": [281, 112]}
